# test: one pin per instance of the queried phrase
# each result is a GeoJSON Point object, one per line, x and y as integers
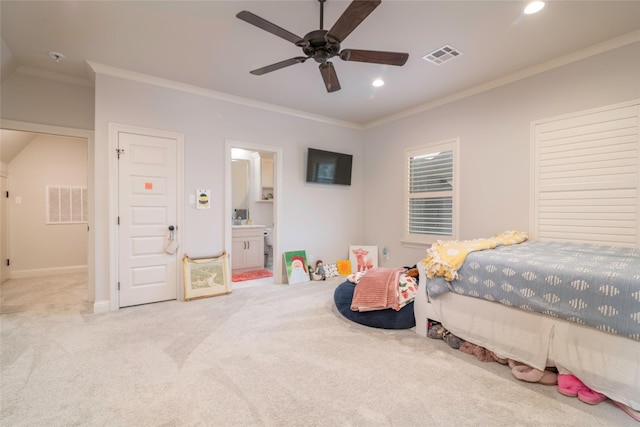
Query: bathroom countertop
{"type": "Point", "coordinates": [247, 226]}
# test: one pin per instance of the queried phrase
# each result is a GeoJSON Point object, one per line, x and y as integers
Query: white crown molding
{"type": "Point", "coordinates": [98, 68]}
{"type": "Point", "coordinates": [606, 46]}
{"type": "Point", "coordinates": [51, 75]}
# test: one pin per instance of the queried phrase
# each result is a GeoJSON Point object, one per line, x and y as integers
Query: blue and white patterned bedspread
{"type": "Point", "coordinates": [597, 286]}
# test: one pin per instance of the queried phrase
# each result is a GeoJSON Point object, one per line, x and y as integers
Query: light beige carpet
{"type": "Point", "coordinates": [264, 355]}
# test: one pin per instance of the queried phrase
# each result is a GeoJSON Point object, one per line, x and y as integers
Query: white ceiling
{"type": "Point", "coordinates": [202, 43]}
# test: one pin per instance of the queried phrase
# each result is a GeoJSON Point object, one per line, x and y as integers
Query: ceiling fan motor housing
{"type": "Point", "coordinates": [319, 47]}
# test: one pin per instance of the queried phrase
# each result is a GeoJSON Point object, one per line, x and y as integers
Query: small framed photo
{"type": "Point", "coordinates": [363, 258]}
{"type": "Point", "coordinates": [206, 277]}
{"type": "Point", "coordinates": [203, 198]}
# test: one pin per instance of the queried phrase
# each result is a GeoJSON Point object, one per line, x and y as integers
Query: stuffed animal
{"type": "Point", "coordinates": [413, 272]}
{"type": "Point", "coordinates": [318, 272]}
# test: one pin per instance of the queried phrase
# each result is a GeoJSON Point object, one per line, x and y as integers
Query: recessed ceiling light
{"type": "Point", "coordinates": [377, 83]}
{"type": "Point", "coordinates": [534, 7]}
{"type": "Point", "coordinates": [56, 56]}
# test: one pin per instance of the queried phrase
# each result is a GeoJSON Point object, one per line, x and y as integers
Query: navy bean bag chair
{"type": "Point", "coordinates": [384, 319]}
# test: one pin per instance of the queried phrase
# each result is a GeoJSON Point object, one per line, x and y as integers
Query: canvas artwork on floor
{"type": "Point", "coordinates": [343, 267]}
{"type": "Point", "coordinates": [296, 265]}
{"type": "Point", "coordinates": [206, 276]}
{"type": "Point", "coordinates": [363, 258]}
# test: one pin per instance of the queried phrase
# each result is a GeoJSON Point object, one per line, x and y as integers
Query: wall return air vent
{"type": "Point", "coordinates": [442, 55]}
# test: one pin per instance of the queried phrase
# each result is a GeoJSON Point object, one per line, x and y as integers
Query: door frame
{"type": "Point", "coordinates": [114, 243]}
{"type": "Point", "coordinates": [4, 226]}
{"type": "Point", "coordinates": [91, 178]}
{"type": "Point", "coordinates": [277, 200]}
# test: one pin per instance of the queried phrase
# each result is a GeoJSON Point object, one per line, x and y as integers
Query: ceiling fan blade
{"type": "Point", "coordinates": [270, 27]}
{"type": "Point", "coordinates": [374, 56]}
{"type": "Point", "coordinates": [355, 13]}
{"type": "Point", "coordinates": [279, 65]}
{"type": "Point", "coordinates": [329, 76]}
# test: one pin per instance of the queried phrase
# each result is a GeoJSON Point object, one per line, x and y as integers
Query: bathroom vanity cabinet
{"type": "Point", "coordinates": [247, 246]}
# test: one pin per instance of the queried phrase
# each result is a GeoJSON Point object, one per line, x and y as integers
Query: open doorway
{"type": "Point", "coordinates": [252, 212]}
{"type": "Point", "coordinates": [48, 176]}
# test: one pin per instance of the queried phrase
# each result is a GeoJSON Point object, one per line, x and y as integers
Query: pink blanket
{"type": "Point", "coordinates": [377, 290]}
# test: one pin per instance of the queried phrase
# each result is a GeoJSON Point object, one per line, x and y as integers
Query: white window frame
{"type": "Point", "coordinates": [435, 147]}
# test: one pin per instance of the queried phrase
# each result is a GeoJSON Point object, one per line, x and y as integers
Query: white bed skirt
{"type": "Point", "coordinates": [609, 364]}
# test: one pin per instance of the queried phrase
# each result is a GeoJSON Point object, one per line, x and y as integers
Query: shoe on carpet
{"type": "Point", "coordinates": [527, 373]}
{"type": "Point", "coordinates": [436, 331]}
{"type": "Point", "coordinates": [570, 385]}
{"type": "Point", "coordinates": [452, 340]}
{"type": "Point", "coordinates": [591, 397]}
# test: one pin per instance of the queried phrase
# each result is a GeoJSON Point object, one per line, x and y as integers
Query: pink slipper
{"type": "Point", "coordinates": [513, 363]}
{"type": "Point", "coordinates": [630, 411]}
{"type": "Point", "coordinates": [527, 373]}
{"type": "Point", "coordinates": [570, 385]}
{"type": "Point", "coordinates": [591, 397]}
{"type": "Point", "coordinates": [549, 378]}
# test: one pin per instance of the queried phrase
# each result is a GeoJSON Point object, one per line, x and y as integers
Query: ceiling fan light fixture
{"type": "Point", "coordinates": [377, 83]}
{"type": "Point", "coordinates": [533, 7]}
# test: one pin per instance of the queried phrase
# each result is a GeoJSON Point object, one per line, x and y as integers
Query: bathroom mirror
{"type": "Point", "coordinates": [240, 186]}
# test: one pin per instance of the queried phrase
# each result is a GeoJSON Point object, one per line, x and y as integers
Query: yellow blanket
{"type": "Point", "coordinates": [444, 258]}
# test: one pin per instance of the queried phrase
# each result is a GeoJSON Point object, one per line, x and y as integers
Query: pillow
{"type": "Point", "coordinates": [407, 289]}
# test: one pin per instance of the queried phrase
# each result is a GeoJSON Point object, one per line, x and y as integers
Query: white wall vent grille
{"type": "Point", "coordinates": [586, 177]}
{"type": "Point", "coordinates": [66, 204]}
{"type": "Point", "coordinates": [442, 55]}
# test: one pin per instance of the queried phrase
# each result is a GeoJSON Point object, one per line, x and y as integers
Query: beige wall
{"type": "Point", "coordinates": [37, 100]}
{"type": "Point", "coordinates": [321, 219]}
{"type": "Point", "coordinates": [494, 128]}
{"type": "Point", "coordinates": [35, 247]}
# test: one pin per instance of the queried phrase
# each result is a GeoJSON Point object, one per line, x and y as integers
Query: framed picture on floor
{"type": "Point", "coordinates": [363, 258]}
{"type": "Point", "coordinates": [206, 276]}
{"type": "Point", "coordinates": [343, 267]}
{"type": "Point", "coordinates": [296, 265]}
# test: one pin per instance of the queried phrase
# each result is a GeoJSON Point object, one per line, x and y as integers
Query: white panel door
{"type": "Point", "coordinates": [147, 205]}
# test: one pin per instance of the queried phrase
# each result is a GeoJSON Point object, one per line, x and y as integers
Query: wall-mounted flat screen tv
{"type": "Point", "coordinates": [327, 167]}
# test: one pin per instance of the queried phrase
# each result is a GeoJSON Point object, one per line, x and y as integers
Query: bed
{"type": "Point", "coordinates": [574, 306]}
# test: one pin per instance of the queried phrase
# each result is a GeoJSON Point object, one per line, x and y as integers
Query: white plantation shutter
{"type": "Point", "coordinates": [587, 177]}
{"type": "Point", "coordinates": [430, 196]}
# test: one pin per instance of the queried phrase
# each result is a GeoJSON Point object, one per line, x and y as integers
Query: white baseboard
{"type": "Point", "coordinates": [21, 274]}
{"type": "Point", "coordinates": [101, 307]}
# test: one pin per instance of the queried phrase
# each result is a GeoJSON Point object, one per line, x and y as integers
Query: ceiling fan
{"type": "Point", "coordinates": [322, 45]}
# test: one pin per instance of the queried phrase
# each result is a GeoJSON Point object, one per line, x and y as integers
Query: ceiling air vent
{"type": "Point", "coordinates": [442, 55]}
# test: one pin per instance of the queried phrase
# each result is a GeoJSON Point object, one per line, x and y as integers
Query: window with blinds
{"type": "Point", "coordinates": [430, 202]}
{"type": "Point", "coordinates": [586, 177]}
{"type": "Point", "coordinates": [66, 205]}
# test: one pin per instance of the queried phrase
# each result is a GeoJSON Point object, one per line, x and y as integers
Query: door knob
{"type": "Point", "coordinates": [171, 228]}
